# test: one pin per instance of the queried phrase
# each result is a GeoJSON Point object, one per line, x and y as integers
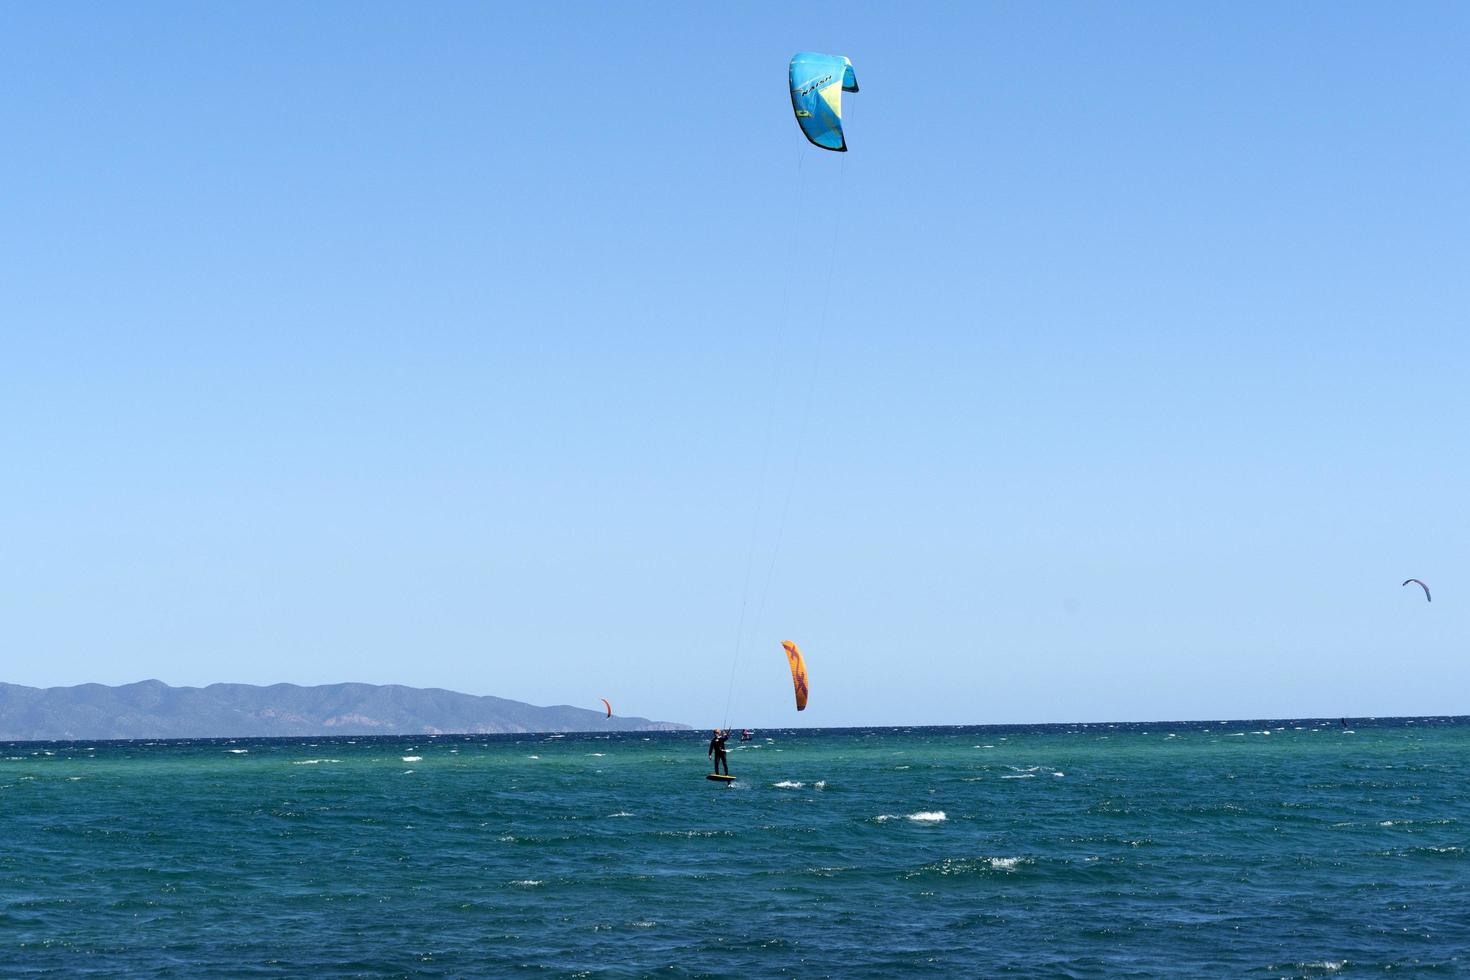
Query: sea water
{"type": "Point", "coordinates": [1283, 848]}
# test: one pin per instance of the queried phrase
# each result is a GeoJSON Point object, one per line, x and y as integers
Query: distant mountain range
{"type": "Point", "coordinates": [153, 709]}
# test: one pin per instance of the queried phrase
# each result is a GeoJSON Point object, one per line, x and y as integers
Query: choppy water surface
{"type": "Point", "coordinates": [1270, 849]}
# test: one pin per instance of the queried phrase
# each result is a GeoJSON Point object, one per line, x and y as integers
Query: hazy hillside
{"type": "Point", "coordinates": [153, 709]}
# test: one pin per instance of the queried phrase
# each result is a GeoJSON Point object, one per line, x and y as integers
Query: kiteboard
{"type": "Point", "coordinates": [719, 778]}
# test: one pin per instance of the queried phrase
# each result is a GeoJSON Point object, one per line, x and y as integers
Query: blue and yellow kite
{"type": "Point", "coordinates": [817, 84]}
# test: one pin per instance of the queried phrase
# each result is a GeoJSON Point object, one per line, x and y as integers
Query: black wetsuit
{"type": "Point", "coordinates": [717, 749]}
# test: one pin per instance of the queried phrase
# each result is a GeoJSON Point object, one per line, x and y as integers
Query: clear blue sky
{"type": "Point", "coordinates": [433, 344]}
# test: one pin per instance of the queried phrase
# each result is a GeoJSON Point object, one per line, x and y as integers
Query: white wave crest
{"type": "Point", "coordinates": [789, 784]}
{"type": "Point", "coordinates": [928, 816]}
{"type": "Point", "coordinates": [314, 762]}
{"type": "Point", "coordinates": [413, 758]}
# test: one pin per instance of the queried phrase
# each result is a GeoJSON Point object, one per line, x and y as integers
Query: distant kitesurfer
{"type": "Point", "coordinates": [745, 735]}
{"type": "Point", "coordinates": [717, 751]}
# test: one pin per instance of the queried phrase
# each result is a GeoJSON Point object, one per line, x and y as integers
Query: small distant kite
{"type": "Point", "coordinates": [1421, 585]}
{"type": "Point", "coordinates": [607, 706]}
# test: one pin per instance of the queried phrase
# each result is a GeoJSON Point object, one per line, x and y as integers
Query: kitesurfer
{"type": "Point", "coordinates": [717, 751]}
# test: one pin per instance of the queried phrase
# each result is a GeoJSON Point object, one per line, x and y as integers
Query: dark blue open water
{"type": "Point", "coordinates": [1242, 849]}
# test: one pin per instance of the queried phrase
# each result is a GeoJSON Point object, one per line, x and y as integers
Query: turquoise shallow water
{"type": "Point", "coordinates": [1236, 849]}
